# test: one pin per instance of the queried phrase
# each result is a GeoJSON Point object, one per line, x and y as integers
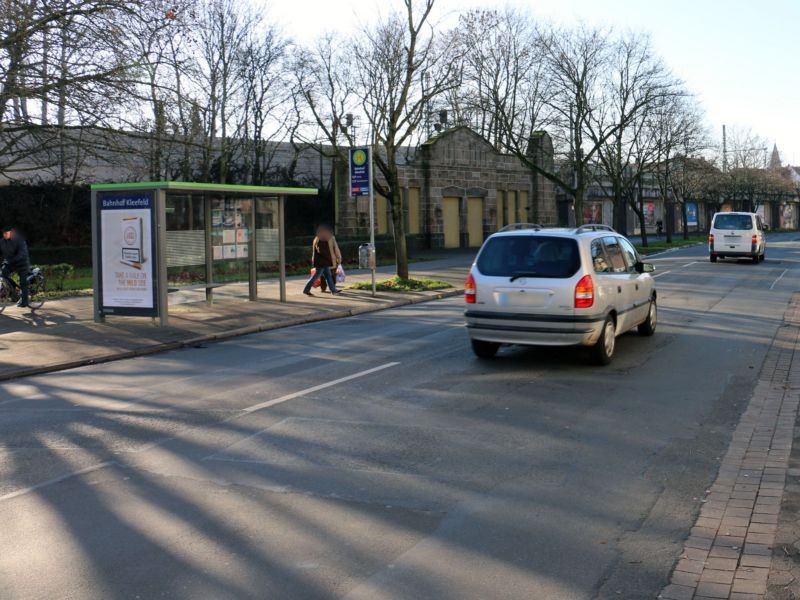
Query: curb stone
{"type": "Point", "coordinates": [221, 336]}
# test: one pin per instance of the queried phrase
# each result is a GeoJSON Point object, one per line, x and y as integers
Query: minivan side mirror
{"type": "Point", "coordinates": [643, 267]}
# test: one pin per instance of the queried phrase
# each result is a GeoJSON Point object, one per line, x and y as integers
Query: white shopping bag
{"type": "Point", "coordinates": [339, 274]}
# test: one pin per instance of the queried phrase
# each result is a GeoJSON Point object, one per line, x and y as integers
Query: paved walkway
{"type": "Point", "coordinates": [63, 334]}
{"type": "Point", "coordinates": [729, 551]}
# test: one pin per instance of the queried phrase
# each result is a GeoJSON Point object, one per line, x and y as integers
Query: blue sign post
{"type": "Point", "coordinates": [361, 185]}
{"type": "Point", "coordinates": [359, 172]}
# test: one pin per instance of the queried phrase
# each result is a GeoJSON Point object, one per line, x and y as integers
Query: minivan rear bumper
{"type": "Point", "coordinates": [533, 330]}
{"type": "Point", "coordinates": [734, 254]}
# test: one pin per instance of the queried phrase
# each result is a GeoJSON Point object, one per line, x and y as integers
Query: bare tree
{"type": "Point", "coordinates": [402, 67]}
{"type": "Point", "coordinates": [391, 74]}
{"type": "Point", "coordinates": [60, 66]}
{"type": "Point", "coordinates": [637, 83]}
{"type": "Point", "coordinates": [265, 99]}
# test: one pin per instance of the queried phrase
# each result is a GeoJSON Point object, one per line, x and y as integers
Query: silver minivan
{"type": "Point", "coordinates": [558, 287]}
{"type": "Point", "coordinates": [737, 235]}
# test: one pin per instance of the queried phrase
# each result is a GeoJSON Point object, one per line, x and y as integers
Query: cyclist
{"type": "Point", "coordinates": [14, 252]}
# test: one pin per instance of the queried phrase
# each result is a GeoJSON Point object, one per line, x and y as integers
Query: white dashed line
{"type": "Point", "coordinates": [316, 388]}
{"type": "Point", "coordinates": [779, 278]}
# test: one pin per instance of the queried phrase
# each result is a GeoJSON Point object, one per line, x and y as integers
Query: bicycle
{"type": "Point", "coordinates": [37, 286]}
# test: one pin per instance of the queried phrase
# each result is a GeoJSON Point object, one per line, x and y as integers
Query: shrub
{"type": "Point", "coordinates": [57, 274]}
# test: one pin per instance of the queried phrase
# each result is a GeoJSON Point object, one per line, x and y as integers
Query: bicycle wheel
{"type": "Point", "coordinates": [6, 294]}
{"type": "Point", "coordinates": [36, 290]}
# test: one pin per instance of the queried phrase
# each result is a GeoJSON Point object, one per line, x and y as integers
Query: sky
{"type": "Point", "coordinates": [740, 57]}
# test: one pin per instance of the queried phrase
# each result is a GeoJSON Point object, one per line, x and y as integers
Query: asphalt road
{"type": "Point", "coordinates": [375, 458]}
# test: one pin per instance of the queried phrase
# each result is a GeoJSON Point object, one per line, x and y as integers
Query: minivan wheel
{"type": "Point", "coordinates": [756, 259]}
{"type": "Point", "coordinates": [603, 350]}
{"type": "Point", "coordinates": [648, 326]}
{"type": "Point", "coordinates": [713, 258]}
{"type": "Point", "coordinates": [485, 349]}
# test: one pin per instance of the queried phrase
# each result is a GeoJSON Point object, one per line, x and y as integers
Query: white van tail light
{"type": "Point", "coordinates": [584, 292]}
{"type": "Point", "coordinates": [470, 290]}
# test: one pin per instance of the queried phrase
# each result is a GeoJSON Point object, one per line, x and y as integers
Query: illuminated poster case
{"type": "Point", "coordinates": [126, 253]}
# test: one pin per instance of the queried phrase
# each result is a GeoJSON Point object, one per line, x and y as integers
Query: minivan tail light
{"type": "Point", "coordinates": [470, 290]}
{"type": "Point", "coordinates": [754, 240]}
{"type": "Point", "coordinates": [710, 238]}
{"type": "Point", "coordinates": [584, 292]}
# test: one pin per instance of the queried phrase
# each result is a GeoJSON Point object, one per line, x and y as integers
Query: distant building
{"type": "Point", "coordinates": [458, 189]}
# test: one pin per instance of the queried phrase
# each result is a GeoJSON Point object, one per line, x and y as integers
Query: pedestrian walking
{"type": "Point", "coordinates": [325, 258]}
{"type": "Point", "coordinates": [659, 227]}
{"type": "Point", "coordinates": [15, 259]}
{"type": "Point", "coordinates": [323, 285]}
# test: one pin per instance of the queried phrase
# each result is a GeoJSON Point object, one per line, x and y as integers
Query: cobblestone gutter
{"type": "Point", "coordinates": [729, 551]}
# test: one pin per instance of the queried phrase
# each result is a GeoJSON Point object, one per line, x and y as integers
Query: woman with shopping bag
{"type": "Point", "coordinates": [325, 257]}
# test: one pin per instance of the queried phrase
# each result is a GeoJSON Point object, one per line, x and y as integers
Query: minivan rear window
{"type": "Point", "coordinates": [529, 256]}
{"type": "Point", "coordinates": [733, 222]}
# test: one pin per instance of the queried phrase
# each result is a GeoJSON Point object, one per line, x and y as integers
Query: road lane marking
{"type": "Point", "coordinates": [59, 479]}
{"type": "Point", "coordinates": [694, 262]}
{"type": "Point", "coordinates": [662, 273]}
{"type": "Point", "coordinates": [778, 279]}
{"type": "Point", "coordinates": [251, 409]}
{"type": "Point", "coordinates": [316, 388]}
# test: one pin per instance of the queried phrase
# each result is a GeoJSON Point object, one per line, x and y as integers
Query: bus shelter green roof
{"type": "Point", "coordinates": [185, 186]}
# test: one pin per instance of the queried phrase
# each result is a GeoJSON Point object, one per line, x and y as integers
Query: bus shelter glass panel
{"type": "Point", "coordinates": [231, 229]}
{"type": "Point", "coordinates": [267, 237]}
{"type": "Point", "coordinates": [186, 256]}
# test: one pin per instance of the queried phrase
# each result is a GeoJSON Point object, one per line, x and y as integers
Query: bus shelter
{"type": "Point", "coordinates": [153, 238]}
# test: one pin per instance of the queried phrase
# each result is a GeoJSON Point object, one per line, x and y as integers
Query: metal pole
{"type": "Point", "coordinates": [281, 247]}
{"type": "Point", "coordinates": [251, 250]}
{"type": "Point", "coordinates": [161, 250]}
{"type": "Point", "coordinates": [372, 219]}
{"type": "Point", "coordinates": [96, 260]}
{"type": "Point", "coordinates": [208, 247]}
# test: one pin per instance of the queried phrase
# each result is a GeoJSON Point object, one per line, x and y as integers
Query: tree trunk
{"type": "Point", "coordinates": [399, 228]}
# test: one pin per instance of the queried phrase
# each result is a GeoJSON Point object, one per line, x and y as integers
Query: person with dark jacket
{"type": "Point", "coordinates": [14, 254]}
{"type": "Point", "coordinates": [325, 257]}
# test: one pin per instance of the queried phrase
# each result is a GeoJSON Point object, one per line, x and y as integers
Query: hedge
{"type": "Point", "coordinates": [77, 256]}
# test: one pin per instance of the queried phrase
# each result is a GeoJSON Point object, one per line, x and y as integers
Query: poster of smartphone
{"type": "Point", "coordinates": [126, 222]}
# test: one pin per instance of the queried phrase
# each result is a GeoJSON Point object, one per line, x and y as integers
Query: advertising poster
{"type": "Point", "coordinates": [593, 212]}
{"type": "Point", "coordinates": [691, 214]}
{"type": "Point", "coordinates": [126, 252]}
{"type": "Point", "coordinates": [650, 214]}
{"type": "Point", "coordinates": [786, 216]}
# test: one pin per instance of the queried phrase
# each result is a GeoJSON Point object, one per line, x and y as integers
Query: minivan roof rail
{"type": "Point", "coordinates": [594, 227]}
{"type": "Point", "coordinates": [518, 226]}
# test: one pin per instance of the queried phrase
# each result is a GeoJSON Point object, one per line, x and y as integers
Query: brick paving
{"type": "Point", "coordinates": [729, 550]}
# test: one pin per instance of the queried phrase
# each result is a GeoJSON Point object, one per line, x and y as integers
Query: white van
{"type": "Point", "coordinates": [737, 235]}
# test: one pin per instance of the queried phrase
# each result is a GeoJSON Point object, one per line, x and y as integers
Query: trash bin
{"type": "Point", "coordinates": [366, 256]}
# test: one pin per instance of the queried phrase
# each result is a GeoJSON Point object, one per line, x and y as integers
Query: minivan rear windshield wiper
{"type": "Point", "coordinates": [520, 274]}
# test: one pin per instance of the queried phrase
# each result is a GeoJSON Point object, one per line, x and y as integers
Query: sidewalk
{"type": "Point", "coordinates": [732, 550]}
{"type": "Point", "coordinates": [63, 334]}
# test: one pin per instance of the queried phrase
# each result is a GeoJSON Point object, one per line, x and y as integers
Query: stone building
{"type": "Point", "coordinates": [457, 190]}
